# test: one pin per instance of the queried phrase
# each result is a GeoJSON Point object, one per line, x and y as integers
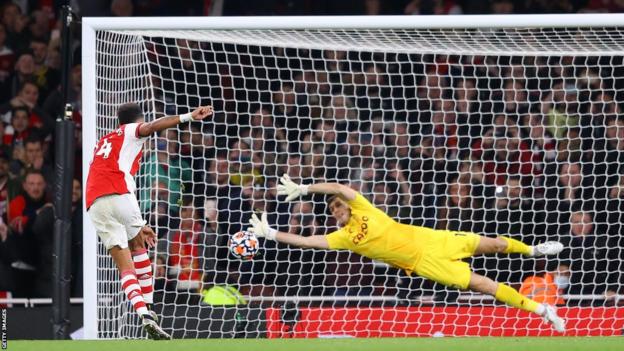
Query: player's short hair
{"type": "Point", "coordinates": [332, 199]}
{"type": "Point", "coordinates": [129, 113]}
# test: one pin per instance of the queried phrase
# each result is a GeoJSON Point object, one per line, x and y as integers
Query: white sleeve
{"type": "Point", "coordinates": [131, 132]}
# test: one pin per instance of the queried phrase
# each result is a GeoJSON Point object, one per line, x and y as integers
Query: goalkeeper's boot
{"type": "Point", "coordinates": [154, 331]}
{"type": "Point", "coordinates": [547, 248]}
{"type": "Point", "coordinates": [550, 316]}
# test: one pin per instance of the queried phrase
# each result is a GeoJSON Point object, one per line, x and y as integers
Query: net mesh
{"type": "Point", "coordinates": [498, 132]}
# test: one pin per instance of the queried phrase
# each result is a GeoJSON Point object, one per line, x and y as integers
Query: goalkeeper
{"type": "Point", "coordinates": [429, 253]}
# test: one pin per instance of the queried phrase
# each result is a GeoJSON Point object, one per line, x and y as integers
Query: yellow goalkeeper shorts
{"type": "Point", "coordinates": [442, 259]}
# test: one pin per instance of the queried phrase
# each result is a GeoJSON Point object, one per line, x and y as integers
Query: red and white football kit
{"type": "Point", "coordinates": [114, 209]}
{"type": "Point", "coordinates": [110, 199]}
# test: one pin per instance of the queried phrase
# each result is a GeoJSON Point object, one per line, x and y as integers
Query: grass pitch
{"type": "Point", "coordinates": [380, 344]}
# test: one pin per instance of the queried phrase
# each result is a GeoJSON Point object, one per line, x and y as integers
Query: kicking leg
{"type": "Point", "coordinates": [510, 296]}
{"type": "Point", "coordinates": [129, 282]}
{"type": "Point", "coordinates": [143, 269]}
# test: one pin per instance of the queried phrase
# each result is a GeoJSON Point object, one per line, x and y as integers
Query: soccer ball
{"type": "Point", "coordinates": [243, 245]}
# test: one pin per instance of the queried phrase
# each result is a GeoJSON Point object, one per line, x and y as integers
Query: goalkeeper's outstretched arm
{"type": "Point", "coordinates": [308, 242]}
{"type": "Point", "coordinates": [260, 227]}
{"type": "Point", "coordinates": [293, 190]}
{"type": "Point", "coordinates": [160, 124]}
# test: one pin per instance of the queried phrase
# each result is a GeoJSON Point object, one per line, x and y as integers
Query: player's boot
{"type": "Point", "coordinates": [550, 316]}
{"type": "Point", "coordinates": [547, 248]}
{"type": "Point", "coordinates": [154, 331]}
{"type": "Point", "coordinates": [152, 313]}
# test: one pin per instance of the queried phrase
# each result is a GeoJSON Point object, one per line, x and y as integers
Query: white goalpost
{"type": "Point", "coordinates": [500, 125]}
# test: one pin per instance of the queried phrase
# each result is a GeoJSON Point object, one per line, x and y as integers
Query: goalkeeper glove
{"type": "Point", "coordinates": [260, 227]}
{"type": "Point", "coordinates": [290, 188]}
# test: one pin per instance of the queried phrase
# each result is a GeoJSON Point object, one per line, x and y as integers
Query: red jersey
{"type": "Point", "coordinates": [115, 162]}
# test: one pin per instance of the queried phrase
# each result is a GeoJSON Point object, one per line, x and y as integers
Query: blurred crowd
{"type": "Point", "coordinates": [30, 102]}
{"type": "Point", "coordinates": [530, 147]}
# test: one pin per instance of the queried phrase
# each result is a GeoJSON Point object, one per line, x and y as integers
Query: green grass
{"type": "Point", "coordinates": [381, 344]}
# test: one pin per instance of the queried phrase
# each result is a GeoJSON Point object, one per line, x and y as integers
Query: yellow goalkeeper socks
{"type": "Point", "coordinates": [512, 297]}
{"type": "Point", "coordinates": [515, 246]}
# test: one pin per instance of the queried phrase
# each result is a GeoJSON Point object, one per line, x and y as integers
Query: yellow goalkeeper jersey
{"type": "Point", "coordinates": [372, 233]}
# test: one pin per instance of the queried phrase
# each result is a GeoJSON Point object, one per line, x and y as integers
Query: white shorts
{"type": "Point", "coordinates": [116, 219]}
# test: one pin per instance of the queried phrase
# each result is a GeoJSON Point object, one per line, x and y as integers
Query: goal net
{"type": "Point", "coordinates": [499, 130]}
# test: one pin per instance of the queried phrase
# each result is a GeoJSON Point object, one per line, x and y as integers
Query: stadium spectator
{"type": "Point", "coordinates": [46, 78]}
{"type": "Point", "coordinates": [7, 58]}
{"type": "Point", "coordinates": [571, 192]}
{"type": "Point", "coordinates": [167, 164]}
{"type": "Point", "coordinates": [16, 133]}
{"type": "Point", "coordinates": [547, 286]}
{"type": "Point", "coordinates": [312, 87]}
{"type": "Point", "coordinates": [597, 115]}
{"type": "Point", "coordinates": [560, 107]}
{"type": "Point", "coordinates": [33, 158]}
{"type": "Point", "coordinates": [431, 90]}
{"type": "Point", "coordinates": [459, 211]}
{"type": "Point", "coordinates": [342, 110]}
{"type": "Point", "coordinates": [610, 211]}
{"type": "Point", "coordinates": [286, 112]}
{"type": "Point", "coordinates": [216, 177]}
{"type": "Point", "coordinates": [53, 104]}
{"type": "Point", "coordinates": [21, 216]}
{"type": "Point", "coordinates": [202, 152]}
{"type": "Point", "coordinates": [336, 64]}
{"type": "Point", "coordinates": [27, 97]}
{"type": "Point", "coordinates": [593, 259]}
{"type": "Point", "coordinates": [185, 249]}
{"type": "Point", "coordinates": [215, 250]}
{"type": "Point", "coordinates": [156, 204]}
{"type": "Point", "coordinates": [544, 148]}
{"type": "Point", "coordinates": [15, 23]}
{"type": "Point", "coordinates": [608, 160]}
{"type": "Point", "coordinates": [510, 212]}
{"type": "Point", "coordinates": [24, 70]}
{"type": "Point", "coordinates": [515, 97]}
{"type": "Point", "coordinates": [9, 187]}
{"type": "Point", "coordinates": [373, 96]}
{"type": "Point", "coordinates": [44, 284]}
{"type": "Point", "coordinates": [504, 153]}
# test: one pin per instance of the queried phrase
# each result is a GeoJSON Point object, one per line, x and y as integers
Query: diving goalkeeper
{"type": "Point", "coordinates": [433, 254]}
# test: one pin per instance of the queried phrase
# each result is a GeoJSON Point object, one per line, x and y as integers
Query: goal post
{"type": "Point", "coordinates": [419, 66]}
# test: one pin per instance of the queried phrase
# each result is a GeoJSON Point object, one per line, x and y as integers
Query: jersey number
{"type": "Point", "coordinates": [105, 149]}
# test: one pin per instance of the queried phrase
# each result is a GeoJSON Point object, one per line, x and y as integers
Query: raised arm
{"type": "Point", "coordinates": [157, 125]}
{"type": "Point", "coordinates": [260, 227]}
{"type": "Point", "coordinates": [293, 190]}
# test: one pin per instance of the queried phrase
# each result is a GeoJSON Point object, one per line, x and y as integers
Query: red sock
{"type": "Point", "coordinates": [143, 269]}
{"type": "Point", "coordinates": [131, 287]}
